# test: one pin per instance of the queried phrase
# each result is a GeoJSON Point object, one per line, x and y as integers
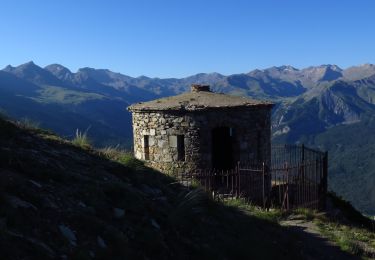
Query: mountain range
{"type": "Point", "coordinates": [322, 106]}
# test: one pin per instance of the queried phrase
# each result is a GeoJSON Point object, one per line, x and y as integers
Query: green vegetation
{"type": "Point", "coordinates": [343, 226]}
{"type": "Point", "coordinates": [351, 162]}
{"type": "Point", "coordinates": [308, 214]}
{"type": "Point", "coordinates": [117, 154]}
{"type": "Point", "coordinates": [273, 215]}
{"type": "Point", "coordinates": [357, 241]}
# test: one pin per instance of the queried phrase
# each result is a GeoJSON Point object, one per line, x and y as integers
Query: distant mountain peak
{"type": "Point", "coordinates": [359, 72]}
{"type": "Point", "coordinates": [285, 68]}
{"type": "Point", "coordinates": [29, 66]}
{"type": "Point", "coordinates": [332, 67]}
{"type": "Point", "coordinates": [8, 68]}
{"type": "Point", "coordinates": [143, 77]}
{"type": "Point", "coordinates": [325, 72]}
{"type": "Point", "coordinates": [33, 73]}
{"type": "Point", "coordinates": [367, 65]}
{"type": "Point", "coordinates": [57, 68]}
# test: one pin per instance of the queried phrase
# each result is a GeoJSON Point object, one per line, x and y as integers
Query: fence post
{"type": "Point", "coordinates": [263, 193]}
{"type": "Point", "coordinates": [303, 152]}
{"type": "Point", "coordinates": [325, 180]}
{"type": "Point", "coordinates": [287, 187]}
{"type": "Point", "coordinates": [239, 180]}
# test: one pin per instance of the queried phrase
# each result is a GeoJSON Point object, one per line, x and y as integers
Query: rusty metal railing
{"type": "Point", "coordinates": [297, 177]}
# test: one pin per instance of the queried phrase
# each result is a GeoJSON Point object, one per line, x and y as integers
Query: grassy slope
{"type": "Point", "coordinates": [112, 210]}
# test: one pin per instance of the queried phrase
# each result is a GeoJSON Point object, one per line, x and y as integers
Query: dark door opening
{"type": "Point", "coordinates": [222, 148]}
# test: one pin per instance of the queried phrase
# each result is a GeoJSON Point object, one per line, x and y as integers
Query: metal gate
{"type": "Point", "coordinates": [297, 177]}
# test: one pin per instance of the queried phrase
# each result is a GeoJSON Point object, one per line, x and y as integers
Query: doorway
{"type": "Point", "coordinates": [222, 148]}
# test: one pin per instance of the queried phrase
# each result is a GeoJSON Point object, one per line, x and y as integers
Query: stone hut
{"type": "Point", "coordinates": [201, 129]}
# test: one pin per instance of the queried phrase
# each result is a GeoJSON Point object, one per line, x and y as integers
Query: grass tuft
{"type": "Point", "coordinates": [81, 139]}
{"type": "Point", "coordinates": [308, 214]}
{"type": "Point", "coordinates": [272, 215]}
{"type": "Point", "coordinates": [189, 203]}
{"type": "Point", "coordinates": [117, 154]}
{"type": "Point", "coordinates": [357, 241]}
{"type": "Point", "coordinates": [27, 123]}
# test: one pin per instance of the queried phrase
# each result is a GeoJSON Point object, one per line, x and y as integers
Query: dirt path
{"type": "Point", "coordinates": [314, 244]}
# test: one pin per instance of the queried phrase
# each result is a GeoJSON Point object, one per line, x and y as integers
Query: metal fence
{"type": "Point", "coordinates": [296, 177]}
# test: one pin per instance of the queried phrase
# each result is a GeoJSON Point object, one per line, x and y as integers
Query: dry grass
{"type": "Point", "coordinates": [81, 139]}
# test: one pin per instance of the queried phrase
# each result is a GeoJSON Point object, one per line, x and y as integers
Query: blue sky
{"type": "Point", "coordinates": [177, 38]}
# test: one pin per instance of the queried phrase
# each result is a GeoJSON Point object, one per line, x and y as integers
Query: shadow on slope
{"type": "Point", "coordinates": [58, 200]}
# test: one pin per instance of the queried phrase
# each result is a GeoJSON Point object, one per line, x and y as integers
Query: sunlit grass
{"type": "Point", "coordinates": [120, 155]}
{"type": "Point", "coordinates": [358, 241]}
{"type": "Point", "coordinates": [273, 215]}
{"type": "Point", "coordinates": [81, 139]}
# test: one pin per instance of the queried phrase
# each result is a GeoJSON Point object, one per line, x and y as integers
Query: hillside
{"type": "Point", "coordinates": [352, 165]}
{"type": "Point", "coordinates": [64, 201]}
{"type": "Point", "coordinates": [58, 199]}
{"type": "Point", "coordinates": [310, 103]}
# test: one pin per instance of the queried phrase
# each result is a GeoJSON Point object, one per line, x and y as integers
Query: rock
{"type": "Point", "coordinates": [36, 183]}
{"type": "Point", "coordinates": [16, 202]}
{"type": "Point", "coordinates": [92, 254]}
{"type": "Point", "coordinates": [150, 191]}
{"type": "Point", "coordinates": [162, 198]}
{"type": "Point", "coordinates": [68, 234]}
{"type": "Point", "coordinates": [83, 205]}
{"type": "Point", "coordinates": [33, 241]}
{"type": "Point", "coordinates": [101, 242]}
{"type": "Point", "coordinates": [3, 223]}
{"type": "Point", "coordinates": [118, 213]}
{"type": "Point", "coordinates": [49, 203]}
{"type": "Point", "coordinates": [155, 224]}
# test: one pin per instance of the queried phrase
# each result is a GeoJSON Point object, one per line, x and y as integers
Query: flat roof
{"type": "Point", "coordinates": [196, 101]}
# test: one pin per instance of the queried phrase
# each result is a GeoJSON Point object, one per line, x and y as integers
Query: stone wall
{"type": "Point", "coordinates": [251, 139]}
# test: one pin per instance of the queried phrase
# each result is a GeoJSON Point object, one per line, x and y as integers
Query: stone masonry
{"type": "Point", "coordinates": [160, 128]}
